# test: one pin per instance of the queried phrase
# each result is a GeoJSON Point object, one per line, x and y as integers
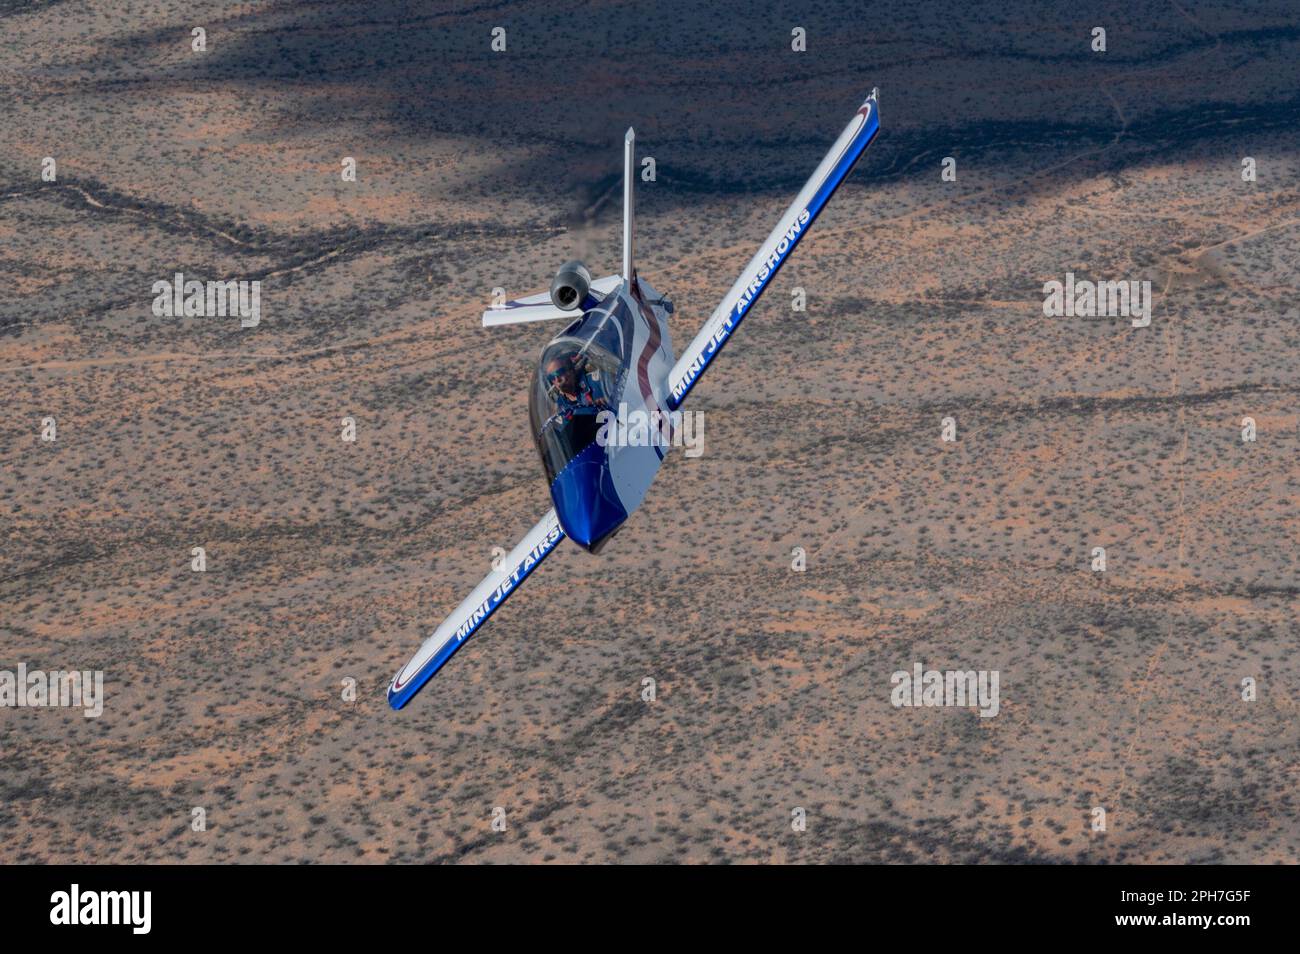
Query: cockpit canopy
{"type": "Point", "coordinates": [577, 378]}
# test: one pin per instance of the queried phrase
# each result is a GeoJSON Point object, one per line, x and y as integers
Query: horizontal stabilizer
{"type": "Point", "coordinates": [539, 307]}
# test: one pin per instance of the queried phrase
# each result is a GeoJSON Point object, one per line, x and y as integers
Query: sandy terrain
{"type": "Point", "coordinates": [330, 561]}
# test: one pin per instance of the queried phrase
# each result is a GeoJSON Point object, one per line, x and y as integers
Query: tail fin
{"type": "Point", "coordinates": [629, 230]}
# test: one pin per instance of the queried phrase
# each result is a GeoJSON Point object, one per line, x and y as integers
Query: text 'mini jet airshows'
{"type": "Point", "coordinates": [616, 353]}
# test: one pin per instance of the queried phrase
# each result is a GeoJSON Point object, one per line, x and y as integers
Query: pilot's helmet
{"type": "Point", "coordinates": [562, 366]}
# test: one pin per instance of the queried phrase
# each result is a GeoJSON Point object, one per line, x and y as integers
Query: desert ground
{"type": "Point", "coordinates": [328, 562]}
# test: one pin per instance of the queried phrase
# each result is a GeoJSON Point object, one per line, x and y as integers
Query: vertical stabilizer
{"type": "Point", "coordinates": [629, 231]}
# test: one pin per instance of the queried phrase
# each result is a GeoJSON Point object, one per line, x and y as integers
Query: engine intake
{"type": "Point", "coordinates": [570, 287]}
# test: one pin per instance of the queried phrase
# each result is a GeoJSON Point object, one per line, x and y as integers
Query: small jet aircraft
{"type": "Point", "coordinates": [616, 355]}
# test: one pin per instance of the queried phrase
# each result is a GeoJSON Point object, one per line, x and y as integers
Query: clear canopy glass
{"type": "Point", "coordinates": [577, 378]}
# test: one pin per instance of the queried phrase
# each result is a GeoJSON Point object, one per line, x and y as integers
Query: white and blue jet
{"type": "Point", "coordinates": [614, 363]}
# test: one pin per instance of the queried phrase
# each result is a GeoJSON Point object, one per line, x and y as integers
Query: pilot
{"type": "Point", "coordinates": [572, 387]}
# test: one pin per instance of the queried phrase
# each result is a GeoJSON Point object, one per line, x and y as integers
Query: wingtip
{"type": "Point", "coordinates": [397, 699]}
{"type": "Point", "coordinates": [875, 94]}
{"type": "Point", "coordinates": [630, 135]}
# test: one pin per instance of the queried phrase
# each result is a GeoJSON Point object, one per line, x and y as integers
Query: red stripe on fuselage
{"type": "Point", "coordinates": [643, 363]}
{"type": "Point", "coordinates": [652, 343]}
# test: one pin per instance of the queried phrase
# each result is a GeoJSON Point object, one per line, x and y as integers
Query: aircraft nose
{"type": "Point", "coordinates": [585, 499]}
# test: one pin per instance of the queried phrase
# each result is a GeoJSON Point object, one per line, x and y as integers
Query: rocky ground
{"type": "Point", "coordinates": [330, 561]}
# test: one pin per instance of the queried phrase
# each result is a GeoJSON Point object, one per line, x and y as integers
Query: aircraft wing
{"type": "Point", "coordinates": [539, 308]}
{"type": "Point", "coordinates": [465, 620]}
{"type": "Point", "coordinates": [796, 222]}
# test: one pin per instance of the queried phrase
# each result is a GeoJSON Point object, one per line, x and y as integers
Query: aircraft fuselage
{"type": "Point", "coordinates": [612, 361]}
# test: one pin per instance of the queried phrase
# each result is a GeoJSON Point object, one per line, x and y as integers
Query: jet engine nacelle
{"type": "Point", "coordinates": [571, 285]}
